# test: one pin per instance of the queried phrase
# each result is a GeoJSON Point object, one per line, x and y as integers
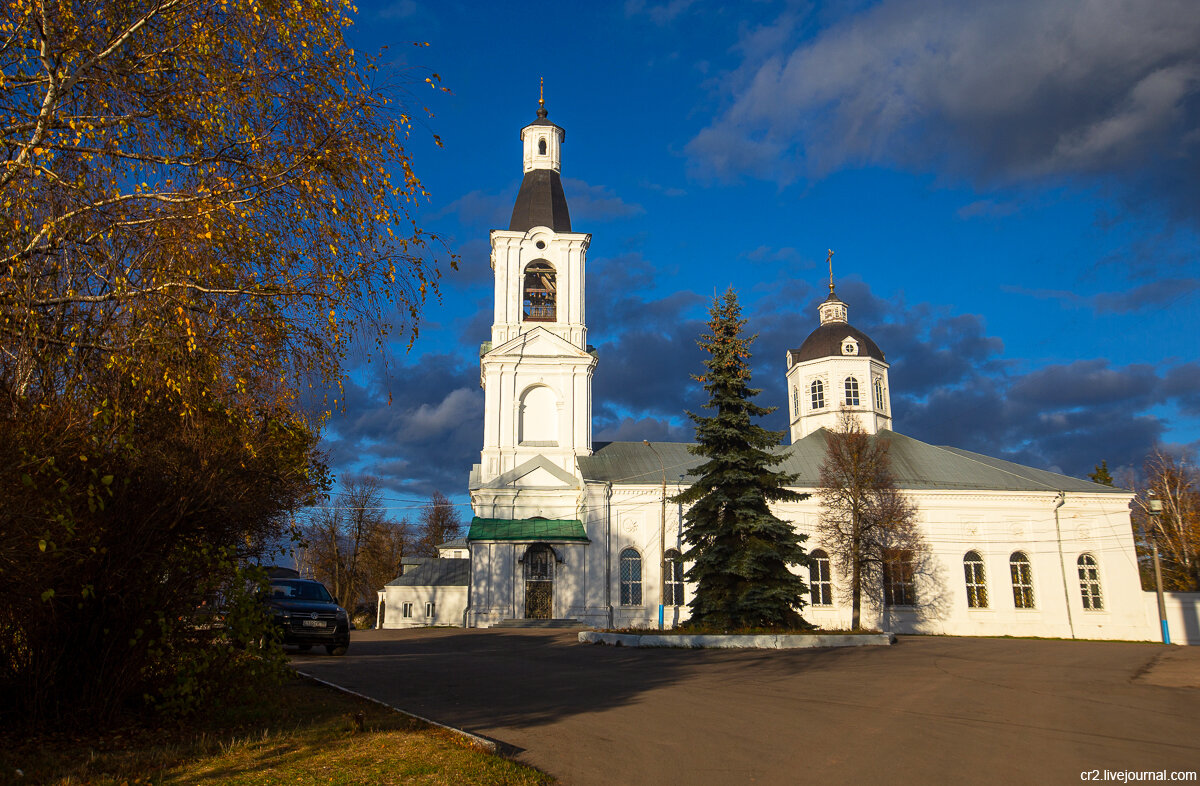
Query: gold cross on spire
{"type": "Point", "coordinates": [541, 92]}
{"type": "Point", "coordinates": [829, 261]}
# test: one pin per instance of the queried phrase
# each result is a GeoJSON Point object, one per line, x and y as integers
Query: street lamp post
{"type": "Point", "coordinates": [1154, 506]}
{"type": "Point", "coordinates": [662, 537]}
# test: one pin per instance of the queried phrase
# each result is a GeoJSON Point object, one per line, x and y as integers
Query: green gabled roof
{"type": "Point", "coordinates": [527, 529]}
{"type": "Point", "coordinates": [915, 465]}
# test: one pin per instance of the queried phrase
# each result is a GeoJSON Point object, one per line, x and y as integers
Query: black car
{"type": "Point", "coordinates": [306, 614]}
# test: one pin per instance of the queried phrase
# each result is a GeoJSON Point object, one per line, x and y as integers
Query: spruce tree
{"type": "Point", "coordinates": [1101, 475]}
{"type": "Point", "coordinates": [740, 551]}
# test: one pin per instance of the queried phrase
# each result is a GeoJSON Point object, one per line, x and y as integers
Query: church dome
{"type": "Point", "coordinates": [541, 202]}
{"type": "Point", "coordinates": [835, 337]}
{"type": "Point", "coordinates": [827, 341]}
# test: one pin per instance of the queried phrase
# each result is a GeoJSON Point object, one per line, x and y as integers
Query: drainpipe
{"type": "Point", "coordinates": [608, 490]}
{"type": "Point", "coordinates": [679, 535]}
{"type": "Point", "coordinates": [470, 580]}
{"type": "Point", "coordinates": [662, 537]}
{"type": "Point", "coordinates": [1062, 564]}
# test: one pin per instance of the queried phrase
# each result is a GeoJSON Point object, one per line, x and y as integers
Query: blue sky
{"type": "Point", "coordinates": [1012, 191]}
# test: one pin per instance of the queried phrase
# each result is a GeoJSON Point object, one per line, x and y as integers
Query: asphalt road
{"type": "Point", "coordinates": [926, 710]}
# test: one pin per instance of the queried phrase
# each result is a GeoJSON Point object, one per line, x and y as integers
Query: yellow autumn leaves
{"type": "Point", "coordinates": [189, 189]}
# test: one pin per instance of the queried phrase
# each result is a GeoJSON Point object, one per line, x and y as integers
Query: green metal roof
{"type": "Point", "coordinates": [527, 529]}
{"type": "Point", "coordinates": [915, 465]}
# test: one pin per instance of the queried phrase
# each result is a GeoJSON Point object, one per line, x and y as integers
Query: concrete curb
{"type": "Point", "coordinates": [781, 641]}
{"type": "Point", "coordinates": [472, 739]}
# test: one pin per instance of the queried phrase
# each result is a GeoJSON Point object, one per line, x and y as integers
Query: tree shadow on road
{"type": "Point", "coordinates": [492, 678]}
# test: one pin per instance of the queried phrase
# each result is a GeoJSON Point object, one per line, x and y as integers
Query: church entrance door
{"type": "Point", "coordinates": [539, 583]}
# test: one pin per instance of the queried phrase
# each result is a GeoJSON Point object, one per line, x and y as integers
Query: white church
{"type": "Point", "coordinates": [585, 533]}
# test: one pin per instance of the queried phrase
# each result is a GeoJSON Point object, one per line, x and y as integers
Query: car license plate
{"type": "Point", "coordinates": [314, 623]}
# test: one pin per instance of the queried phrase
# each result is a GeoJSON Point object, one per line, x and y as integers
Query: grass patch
{"type": "Point", "coordinates": [305, 735]}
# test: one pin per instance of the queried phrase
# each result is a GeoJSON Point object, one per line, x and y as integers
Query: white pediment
{"type": "Point", "coordinates": [539, 342]}
{"type": "Point", "coordinates": [539, 472]}
{"type": "Point", "coordinates": [539, 477]}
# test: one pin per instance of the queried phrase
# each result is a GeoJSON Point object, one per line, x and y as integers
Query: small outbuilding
{"type": "Point", "coordinates": [429, 591]}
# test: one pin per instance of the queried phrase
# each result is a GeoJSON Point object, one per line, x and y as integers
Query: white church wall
{"type": "Point", "coordinates": [518, 428]}
{"type": "Point", "coordinates": [540, 414]}
{"type": "Point", "coordinates": [636, 512]}
{"type": "Point", "coordinates": [566, 253]}
{"type": "Point", "coordinates": [498, 587]}
{"type": "Point", "coordinates": [593, 608]}
{"type": "Point", "coordinates": [833, 373]}
{"type": "Point", "coordinates": [995, 525]}
{"type": "Point", "coordinates": [491, 592]}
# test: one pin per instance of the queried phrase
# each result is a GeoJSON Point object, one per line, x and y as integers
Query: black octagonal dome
{"type": "Point", "coordinates": [826, 341]}
{"type": "Point", "coordinates": [541, 202]}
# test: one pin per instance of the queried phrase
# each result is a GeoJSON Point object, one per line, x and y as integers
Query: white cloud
{"type": "Point", "coordinates": [1012, 90]}
{"type": "Point", "coordinates": [459, 405]}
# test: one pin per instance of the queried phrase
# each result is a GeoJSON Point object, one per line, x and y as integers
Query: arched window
{"type": "Point", "coordinates": [631, 578]}
{"type": "Point", "coordinates": [1022, 580]}
{"type": "Point", "coordinates": [817, 389]}
{"type": "Point", "coordinates": [542, 146]}
{"type": "Point", "coordinates": [1089, 582]}
{"type": "Point", "coordinates": [819, 579]}
{"type": "Point", "coordinates": [795, 401]}
{"type": "Point", "coordinates": [851, 392]}
{"type": "Point", "coordinates": [537, 421]}
{"type": "Point", "coordinates": [674, 587]}
{"type": "Point", "coordinates": [898, 586]}
{"type": "Point", "coordinates": [879, 394]}
{"type": "Point", "coordinates": [976, 584]}
{"type": "Point", "coordinates": [539, 563]}
{"type": "Point", "coordinates": [538, 296]}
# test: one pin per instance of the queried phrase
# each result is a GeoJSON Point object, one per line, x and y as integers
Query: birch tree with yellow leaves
{"type": "Point", "coordinates": [202, 204]}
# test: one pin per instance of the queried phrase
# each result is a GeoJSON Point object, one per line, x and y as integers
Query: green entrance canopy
{"type": "Point", "coordinates": [527, 529]}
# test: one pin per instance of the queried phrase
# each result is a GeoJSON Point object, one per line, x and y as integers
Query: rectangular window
{"type": "Point", "coordinates": [428, 609]}
{"type": "Point", "coordinates": [851, 392]}
{"type": "Point", "coordinates": [408, 610]}
{"type": "Point", "coordinates": [674, 593]}
{"type": "Point", "coordinates": [819, 579]}
{"type": "Point", "coordinates": [631, 578]}
{"type": "Point", "coordinates": [898, 587]}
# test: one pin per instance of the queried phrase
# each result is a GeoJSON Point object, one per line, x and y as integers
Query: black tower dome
{"type": "Point", "coordinates": [541, 201]}
{"type": "Point", "coordinates": [829, 337]}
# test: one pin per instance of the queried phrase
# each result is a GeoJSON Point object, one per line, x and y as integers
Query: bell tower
{"type": "Point", "coordinates": [536, 371]}
{"type": "Point", "coordinates": [837, 369]}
